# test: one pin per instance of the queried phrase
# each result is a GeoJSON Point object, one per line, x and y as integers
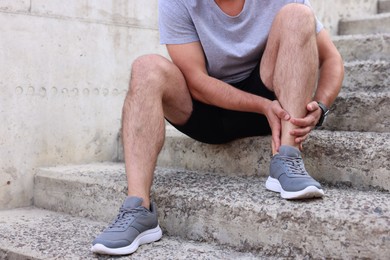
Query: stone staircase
{"type": "Point", "coordinates": [211, 198]}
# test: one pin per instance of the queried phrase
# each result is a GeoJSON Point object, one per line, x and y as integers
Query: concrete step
{"type": "Point", "coordinates": [233, 211]}
{"type": "Point", "coordinates": [363, 47]}
{"type": "Point", "coordinates": [368, 76]}
{"type": "Point", "coordinates": [356, 159]}
{"type": "Point", "coordinates": [31, 233]}
{"type": "Point", "coordinates": [383, 6]}
{"type": "Point", "coordinates": [360, 111]}
{"type": "Point", "coordinates": [379, 23]}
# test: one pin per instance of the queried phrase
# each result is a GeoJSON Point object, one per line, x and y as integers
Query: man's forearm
{"type": "Point", "coordinates": [330, 81]}
{"type": "Point", "coordinates": [218, 93]}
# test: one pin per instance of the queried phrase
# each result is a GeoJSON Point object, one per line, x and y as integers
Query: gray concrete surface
{"type": "Point", "coordinates": [64, 71]}
{"type": "Point", "coordinates": [383, 6]}
{"type": "Point", "coordinates": [363, 47]}
{"type": "Point", "coordinates": [379, 23]}
{"type": "Point", "coordinates": [331, 11]}
{"type": "Point", "coordinates": [30, 233]}
{"type": "Point", "coordinates": [357, 159]}
{"type": "Point", "coordinates": [232, 211]}
{"type": "Point", "coordinates": [360, 111]}
{"type": "Point", "coordinates": [366, 76]}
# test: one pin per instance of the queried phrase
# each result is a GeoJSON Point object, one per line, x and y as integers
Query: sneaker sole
{"type": "Point", "coordinates": [273, 184]}
{"type": "Point", "coordinates": [145, 237]}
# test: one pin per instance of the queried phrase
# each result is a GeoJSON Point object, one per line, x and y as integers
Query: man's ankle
{"type": "Point", "coordinates": [145, 200]}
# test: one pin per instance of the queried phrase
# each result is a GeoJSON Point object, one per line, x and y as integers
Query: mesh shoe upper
{"type": "Point", "coordinates": [289, 169]}
{"type": "Point", "coordinates": [132, 220]}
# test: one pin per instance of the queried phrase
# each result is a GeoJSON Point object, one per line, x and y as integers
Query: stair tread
{"type": "Point", "coordinates": [41, 234]}
{"type": "Point", "coordinates": [230, 190]}
{"type": "Point", "coordinates": [201, 206]}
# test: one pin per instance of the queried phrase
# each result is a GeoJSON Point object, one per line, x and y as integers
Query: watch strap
{"type": "Point", "coordinates": [324, 113]}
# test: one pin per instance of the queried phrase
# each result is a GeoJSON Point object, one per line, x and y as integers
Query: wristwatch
{"type": "Point", "coordinates": [324, 113]}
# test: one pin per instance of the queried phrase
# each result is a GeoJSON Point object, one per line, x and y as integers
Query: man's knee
{"type": "Point", "coordinates": [148, 72]}
{"type": "Point", "coordinates": [150, 65]}
{"type": "Point", "coordinates": [297, 17]}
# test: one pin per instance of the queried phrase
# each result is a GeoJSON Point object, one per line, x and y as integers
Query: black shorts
{"type": "Point", "coordinates": [214, 125]}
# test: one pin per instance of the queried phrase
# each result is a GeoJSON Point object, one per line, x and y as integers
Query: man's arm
{"type": "Point", "coordinates": [331, 70]}
{"type": "Point", "coordinates": [191, 61]}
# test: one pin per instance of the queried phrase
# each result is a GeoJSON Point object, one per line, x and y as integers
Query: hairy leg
{"type": "Point", "coordinates": [157, 88]}
{"type": "Point", "coordinates": [290, 63]}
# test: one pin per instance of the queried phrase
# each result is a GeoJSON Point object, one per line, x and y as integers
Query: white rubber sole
{"type": "Point", "coordinates": [307, 193]}
{"type": "Point", "coordinates": [146, 237]}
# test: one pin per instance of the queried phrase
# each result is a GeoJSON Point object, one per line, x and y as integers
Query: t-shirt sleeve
{"type": "Point", "coordinates": [175, 23]}
{"type": "Point", "coordinates": [319, 25]}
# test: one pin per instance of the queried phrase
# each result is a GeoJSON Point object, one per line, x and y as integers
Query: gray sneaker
{"type": "Point", "coordinates": [289, 176]}
{"type": "Point", "coordinates": [135, 225]}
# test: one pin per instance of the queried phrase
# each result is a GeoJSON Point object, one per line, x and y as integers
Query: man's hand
{"type": "Point", "coordinates": [275, 113]}
{"type": "Point", "coordinates": [307, 123]}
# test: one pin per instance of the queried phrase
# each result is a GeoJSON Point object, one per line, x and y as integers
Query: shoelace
{"type": "Point", "coordinates": [123, 218]}
{"type": "Point", "coordinates": [295, 164]}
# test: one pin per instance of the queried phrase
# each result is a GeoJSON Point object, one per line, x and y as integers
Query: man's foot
{"type": "Point", "coordinates": [135, 225]}
{"type": "Point", "coordinates": [289, 176]}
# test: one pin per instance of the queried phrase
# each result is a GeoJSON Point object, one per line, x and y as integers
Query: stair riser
{"type": "Point", "coordinates": [378, 24]}
{"type": "Point", "coordinates": [247, 231]}
{"type": "Point", "coordinates": [358, 160]}
{"type": "Point", "coordinates": [364, 112]}
{"type": "Point", "coordinates": [96, 201]}
{"type": "Point", "coordinates": [383, 6]}
{"type": "Point", "coordinates": [374, 47]}
{"type": "Point", "coordinates": [371, 76]}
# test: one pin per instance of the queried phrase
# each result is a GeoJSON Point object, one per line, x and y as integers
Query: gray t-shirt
{"type": "Point", "coordinates": [232, 44]}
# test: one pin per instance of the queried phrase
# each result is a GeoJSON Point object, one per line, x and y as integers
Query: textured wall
{"type": "Point", "coordinates": [64, 71]}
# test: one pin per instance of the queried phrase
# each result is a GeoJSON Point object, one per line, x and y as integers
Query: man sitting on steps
{"type": "Point", "coordinates": [239, 68]}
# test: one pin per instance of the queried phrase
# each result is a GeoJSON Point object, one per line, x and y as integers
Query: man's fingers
{"type": "Point", "coordinates": [300, 131]}
{"type": "Point", "coordinates": [276, 128]}
{"type": "Point", "coordinates": [280, 112]}
{"type": "Point", "coordinates": [275, 140]}
{"type": "Point", "coordinates": [303, 122]}
{"type": "Point", "coordinates": [301, 139]}
{"type": "Point", "coordinates": [298, 121]}
{"type": "Point", "coordinates": [312, 106]}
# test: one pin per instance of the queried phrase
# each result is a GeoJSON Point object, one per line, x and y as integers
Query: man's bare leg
{"type": "Point", "coordinates": [289, 67]}
{"type": "Point", "coordinates": [290, 63]}
{"type": "Point", "coordinates": [157, 88]}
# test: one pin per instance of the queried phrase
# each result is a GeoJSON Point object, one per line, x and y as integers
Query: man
{"type": "Point", "coordinates": [239, 68]}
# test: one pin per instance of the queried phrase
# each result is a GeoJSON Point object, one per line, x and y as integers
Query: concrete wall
{"type": "Point", "coordinates": [331, 11]}
{"type": "Point", "coordinates": [64, 71]}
